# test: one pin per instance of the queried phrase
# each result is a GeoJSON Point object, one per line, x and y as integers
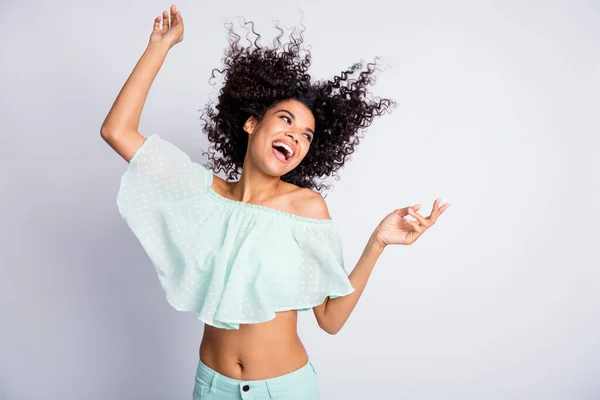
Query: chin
{"type": "Point", "coordinates": [283, 170]}
{"type": "Point", "coordinates": [280, 168]}
{"type": "Point", "coordinates": [274, 167]}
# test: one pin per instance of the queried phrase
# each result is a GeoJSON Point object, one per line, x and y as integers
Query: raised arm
{"type": "Point", "coordinates": [120, 128]}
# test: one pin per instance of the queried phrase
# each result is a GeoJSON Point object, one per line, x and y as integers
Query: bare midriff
{"type": "Point", "coordinates": [255, 351]}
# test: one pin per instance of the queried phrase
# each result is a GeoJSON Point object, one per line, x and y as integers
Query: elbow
{"type": "Point", "coordinates": [111, 129]}
{"type": "Point", "coordinates": [332, 330]}
{"type": "Point", "coordinates": [106, 132]}
{"type": "Point", "coordinates": [110, 126]}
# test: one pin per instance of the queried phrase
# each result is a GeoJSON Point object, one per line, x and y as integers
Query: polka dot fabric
{"type": "Point", "coordinates": [228, 261]}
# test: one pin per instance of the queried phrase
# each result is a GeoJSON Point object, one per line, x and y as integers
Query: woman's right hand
{"type": "Point", "coordinates": [170, 35]}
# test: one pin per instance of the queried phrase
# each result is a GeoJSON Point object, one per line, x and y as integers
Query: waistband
{"type": "Point", "coordinates": [206, 374]}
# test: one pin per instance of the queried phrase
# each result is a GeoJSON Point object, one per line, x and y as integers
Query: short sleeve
{"type": "Point", "coordinates": [322, 262]}
{"type": "Point", "coordinates": [159, 171]}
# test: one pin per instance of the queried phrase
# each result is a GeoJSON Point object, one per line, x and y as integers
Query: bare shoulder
{"type": "Point", "coordinates": [220, 184]}
{"type": "Point", "coordinates": [310, 204]}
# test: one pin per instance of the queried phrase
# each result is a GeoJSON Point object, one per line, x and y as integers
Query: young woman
{"type": "Point", "coordinates": [247, 255]}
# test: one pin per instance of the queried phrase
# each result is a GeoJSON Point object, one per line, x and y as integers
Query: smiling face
{"type": "Point", "coordinates": [280, 140]}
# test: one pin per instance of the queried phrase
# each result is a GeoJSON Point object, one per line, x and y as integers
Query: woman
{"type": "Point", "coordinates": [247, 255]}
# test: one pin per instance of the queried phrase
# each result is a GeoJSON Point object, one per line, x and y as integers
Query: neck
{"type": "Point", "coordinates": [254, 186]}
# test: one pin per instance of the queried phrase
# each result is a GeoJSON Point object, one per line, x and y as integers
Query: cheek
{"type": "Point", "coordinates": [302, 156]}
{"type": "Point", "coordinates": [257, 142]}
{"type": "Point", "coordinates": [260, 149]}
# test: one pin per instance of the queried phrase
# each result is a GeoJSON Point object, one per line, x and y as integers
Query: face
{"type": "Point", "coordinates": [280, 140]}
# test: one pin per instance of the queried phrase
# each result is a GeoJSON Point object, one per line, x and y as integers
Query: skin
{"type": "Point", "coordinates": [272, 348]}
{"type": "Point", "coordinates": [260, 181]}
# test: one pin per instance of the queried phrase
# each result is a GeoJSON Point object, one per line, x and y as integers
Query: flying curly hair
{"type": "Point", "coordinates": [257, 78]}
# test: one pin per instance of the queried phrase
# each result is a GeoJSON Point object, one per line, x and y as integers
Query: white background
{"type": "Point", "coordinates": [497, 114]}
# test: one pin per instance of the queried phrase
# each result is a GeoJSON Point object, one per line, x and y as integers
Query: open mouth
{"type": "Point", "coordinates": [282, 151]}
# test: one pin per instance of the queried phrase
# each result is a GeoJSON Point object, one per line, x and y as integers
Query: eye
{"type": "Point", "coordinates": [289, 121]}
{"type": "Point", "coordinates": [308, 137]}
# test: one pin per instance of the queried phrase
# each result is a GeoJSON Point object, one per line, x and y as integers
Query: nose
{"type": "Point", "coordinates": [293, 136]}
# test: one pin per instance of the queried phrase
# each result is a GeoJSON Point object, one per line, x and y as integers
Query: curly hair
{"type": "Point", "coordinates": [257, 78]}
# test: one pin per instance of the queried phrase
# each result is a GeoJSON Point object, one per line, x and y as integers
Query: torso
{"type": "Point", "coordinates": [256, 351]}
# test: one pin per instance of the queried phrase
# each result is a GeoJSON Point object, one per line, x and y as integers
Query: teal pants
{"type": "Point", "coordinates": [296, 385]}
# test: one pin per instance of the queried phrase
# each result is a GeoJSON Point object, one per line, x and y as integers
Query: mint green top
{"type": "Point", "coordinates": [230, 262]}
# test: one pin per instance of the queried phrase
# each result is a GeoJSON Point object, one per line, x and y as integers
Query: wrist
{"type": "Point", "coordinates": [160, 46]}
{"type": "Point", "coordinates": [375, 242]}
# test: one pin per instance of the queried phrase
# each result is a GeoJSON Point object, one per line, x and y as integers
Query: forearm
{"type": "Point", "coordinates": [126, 111]}
{"type": "Point", "coordinates": [339, 309]}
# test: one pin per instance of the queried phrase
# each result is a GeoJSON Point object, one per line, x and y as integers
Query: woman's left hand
{"type": "Point", "coordinates": [395, 229]}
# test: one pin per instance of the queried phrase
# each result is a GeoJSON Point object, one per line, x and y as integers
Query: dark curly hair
{"type": "Point", "coordinates": [256, 78]}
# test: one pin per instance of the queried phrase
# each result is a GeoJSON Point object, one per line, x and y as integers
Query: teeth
{"type": "Point", "coordinates": [284, 145]}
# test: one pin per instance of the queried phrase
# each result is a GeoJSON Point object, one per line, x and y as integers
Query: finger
{"type": "Point", "coordinates": [178, 19]}
{"type": "Point", "coordinates": [173, 15]}
{"type": "Point", "coordinates": [444, 208]}
{"type": "Point", "coordinates": [433, 218]}
{"type": "Point", "coordinates": [165, 21]}
{"type": "Point", "coordinates": [403, 212]}
{"type": "Point", "coordinates": [156, 23]}
{"type": "Point", "coordinates": [416, 227]}
{"type": "Point", "coordinates": [435, 211]}
{"type": "Point", "coordinates": [418, 216]}
{"type": "Point", "coordinates": [436, 205]}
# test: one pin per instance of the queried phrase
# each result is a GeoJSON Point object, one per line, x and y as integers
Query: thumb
{"type": "Point", "coordinates": [403, 212]}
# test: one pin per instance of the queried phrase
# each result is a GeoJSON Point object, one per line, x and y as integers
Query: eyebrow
{"type": "Point", "coordinates": [294, 118]}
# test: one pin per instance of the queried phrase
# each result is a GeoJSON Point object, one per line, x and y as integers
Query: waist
{"type": "Point", "coordinates": [255, 351]}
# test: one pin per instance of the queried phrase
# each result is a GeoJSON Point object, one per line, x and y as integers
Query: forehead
{"type": "Point", "coordinates": [300, 111]}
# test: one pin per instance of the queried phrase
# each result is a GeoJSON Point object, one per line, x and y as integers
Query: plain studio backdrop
{"type": "Point", "coordinates": [497, 114]}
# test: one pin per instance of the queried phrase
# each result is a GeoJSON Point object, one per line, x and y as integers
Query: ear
{"type": "Point", "coordinates": [250, 125]}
